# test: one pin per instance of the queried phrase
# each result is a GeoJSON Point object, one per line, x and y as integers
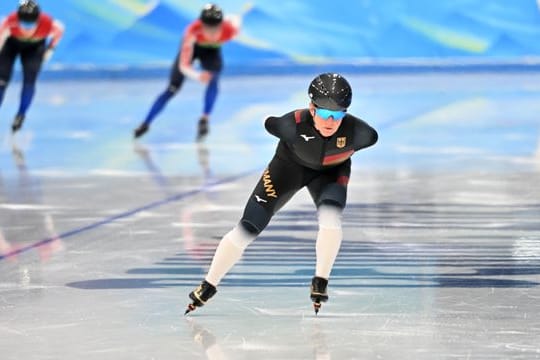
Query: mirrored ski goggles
{"type": "Point", "coordinates": [337, 115]}
{"type": "Point", "coordinates": [27, 25]}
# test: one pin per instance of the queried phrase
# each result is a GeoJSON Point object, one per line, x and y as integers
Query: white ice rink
{"type": "Point", "coordinates": [102, 239]}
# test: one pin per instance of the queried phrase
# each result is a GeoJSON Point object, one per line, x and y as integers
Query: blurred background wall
{"type": "Point", "coordinates": [146, 33]}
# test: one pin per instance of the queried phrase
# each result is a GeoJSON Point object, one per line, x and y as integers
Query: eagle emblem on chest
{"type": "Point", "coordinates": [341, 142]}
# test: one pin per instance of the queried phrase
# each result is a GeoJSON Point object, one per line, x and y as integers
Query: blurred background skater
{"type": "Point", "coordinates": [314, 151]}
{"type": "Point", "coordinates": [201, 41]}
{"type": "Point", "coordinates": [32, 35]}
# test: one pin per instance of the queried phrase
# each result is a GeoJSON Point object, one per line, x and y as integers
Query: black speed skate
{"type": "Point", "coordinates": [141, 130]}
{"type": "Point", "coordinates": [17, 123]}
{"type": "Point", "coordinates": [202, 128]}
{"type": "Point", "coordinates": [318, 292]}
{"type": "Point", "coordinates": [201, 295]}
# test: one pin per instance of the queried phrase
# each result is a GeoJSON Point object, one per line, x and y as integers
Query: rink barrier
{"type": "Point", "coordinates": [55, 71]}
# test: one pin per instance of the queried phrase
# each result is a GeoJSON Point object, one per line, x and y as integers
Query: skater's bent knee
{"type": "Point", "coordinates": [329, 216]}
{"type": "Point", "coordinates": [249, 227]}
{"type": "Point", "coordinates": [335, 194]}
{"type": "Point", "coordinates": [173, 89]}
{"type": "Point", "coordinates": [255, 217]}
{"type": "Point", "coordinates": [240, 237]}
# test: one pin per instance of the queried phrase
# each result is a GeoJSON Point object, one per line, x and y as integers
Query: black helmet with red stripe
{"type": "Point", "coordinates": [330, 91]}
{"type": "Point", "coordinates": [28, 11]}
{"type": "Point", "coordinates": [211, 15]}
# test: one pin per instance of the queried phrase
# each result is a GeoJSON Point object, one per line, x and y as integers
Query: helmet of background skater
{"type": "Point", "coordinates": [28, 11]}
{"type": "Point", "coordinates": [211, 15]}
{"type": "Point", "coordinates": [330, 91]}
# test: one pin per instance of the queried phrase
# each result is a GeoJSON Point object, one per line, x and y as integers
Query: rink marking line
{"type": "Point", "coordinates": [126, 214]}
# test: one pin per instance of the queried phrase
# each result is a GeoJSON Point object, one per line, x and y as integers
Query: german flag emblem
{"type": "Point", "coordinates": [341, 142]}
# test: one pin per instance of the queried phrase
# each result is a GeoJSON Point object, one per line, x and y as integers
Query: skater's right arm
{"type": "Point", "coordinates": [283, 127]}
{"type": "Point", "coordinates": [186, 53]}
{"type": "Point", "coordinates": [4, 32]}
{"type": "Point", "coordinates": [4, 25]}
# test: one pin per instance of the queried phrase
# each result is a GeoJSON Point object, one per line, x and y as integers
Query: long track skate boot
{"type": "Point", "coordinates": [141, 130]}
{"type": "Point", "coordinates": [318, 292]}
{"type": "Point", "coordinates": [202, 128]}
{"type": "Point", "coordinates": [17, 123]}
{"type": "Point", "coordinates": [201, 295]}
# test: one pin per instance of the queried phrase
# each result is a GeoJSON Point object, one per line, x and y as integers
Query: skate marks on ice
{"type": "Point", "coordinates": [116, 217]}
{"type": "Point", "coordinates": [308, 340]}
{"type": "Point", "coordinates": [284, 261]}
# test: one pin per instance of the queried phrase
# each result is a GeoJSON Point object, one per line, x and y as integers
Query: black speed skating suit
{"type": "Point", "coordinates": [305, 158]}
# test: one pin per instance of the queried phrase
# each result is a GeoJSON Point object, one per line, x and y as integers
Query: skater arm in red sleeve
{"type": "Point", "coordinates": [231, 26]}
{"type": "Point", "coordinates": [186, 53]}
{"type": "Point", "coordinates": [3, 24]}
{"type": "Point", "coordinates": [4, 31]}
{"type": "Point", "coordinates": [56, 33]}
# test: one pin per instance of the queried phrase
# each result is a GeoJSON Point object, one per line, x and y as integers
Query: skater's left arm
{"type": "Point", "coordinates": [364, 135]}
{"type": "Point", "coordinates": [232, 25]}
{"type": "Point", "coordinates": [56, 34]}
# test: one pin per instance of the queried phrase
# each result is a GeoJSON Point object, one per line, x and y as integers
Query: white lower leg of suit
{"type": "Point", "coordinates": [229, 251]}
{"type": "Point", "coordinates": [328, 239]}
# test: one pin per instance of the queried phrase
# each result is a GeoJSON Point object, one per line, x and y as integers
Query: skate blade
{"type": "Point", "coordinates": [316, 307]}
{"type": "Point", "coordinates": [190, 308]}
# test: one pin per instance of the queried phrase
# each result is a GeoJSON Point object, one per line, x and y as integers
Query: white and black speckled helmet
{"type": "Point", "coordinates": [211, 15]}
{"type": "Point", "coordinates": [330, 91]}
{"type": "Point", "coordinates": [28, 11]}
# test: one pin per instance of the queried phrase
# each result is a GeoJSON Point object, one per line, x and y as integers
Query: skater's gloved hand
{"type": "Point", "coordinates": [48, 54]}
{"type": "Point", "coordinates": [205, 77]}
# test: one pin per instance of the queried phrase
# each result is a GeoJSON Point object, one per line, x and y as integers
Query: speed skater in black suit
{"type": "Point", "coordinates": [314, 151]}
